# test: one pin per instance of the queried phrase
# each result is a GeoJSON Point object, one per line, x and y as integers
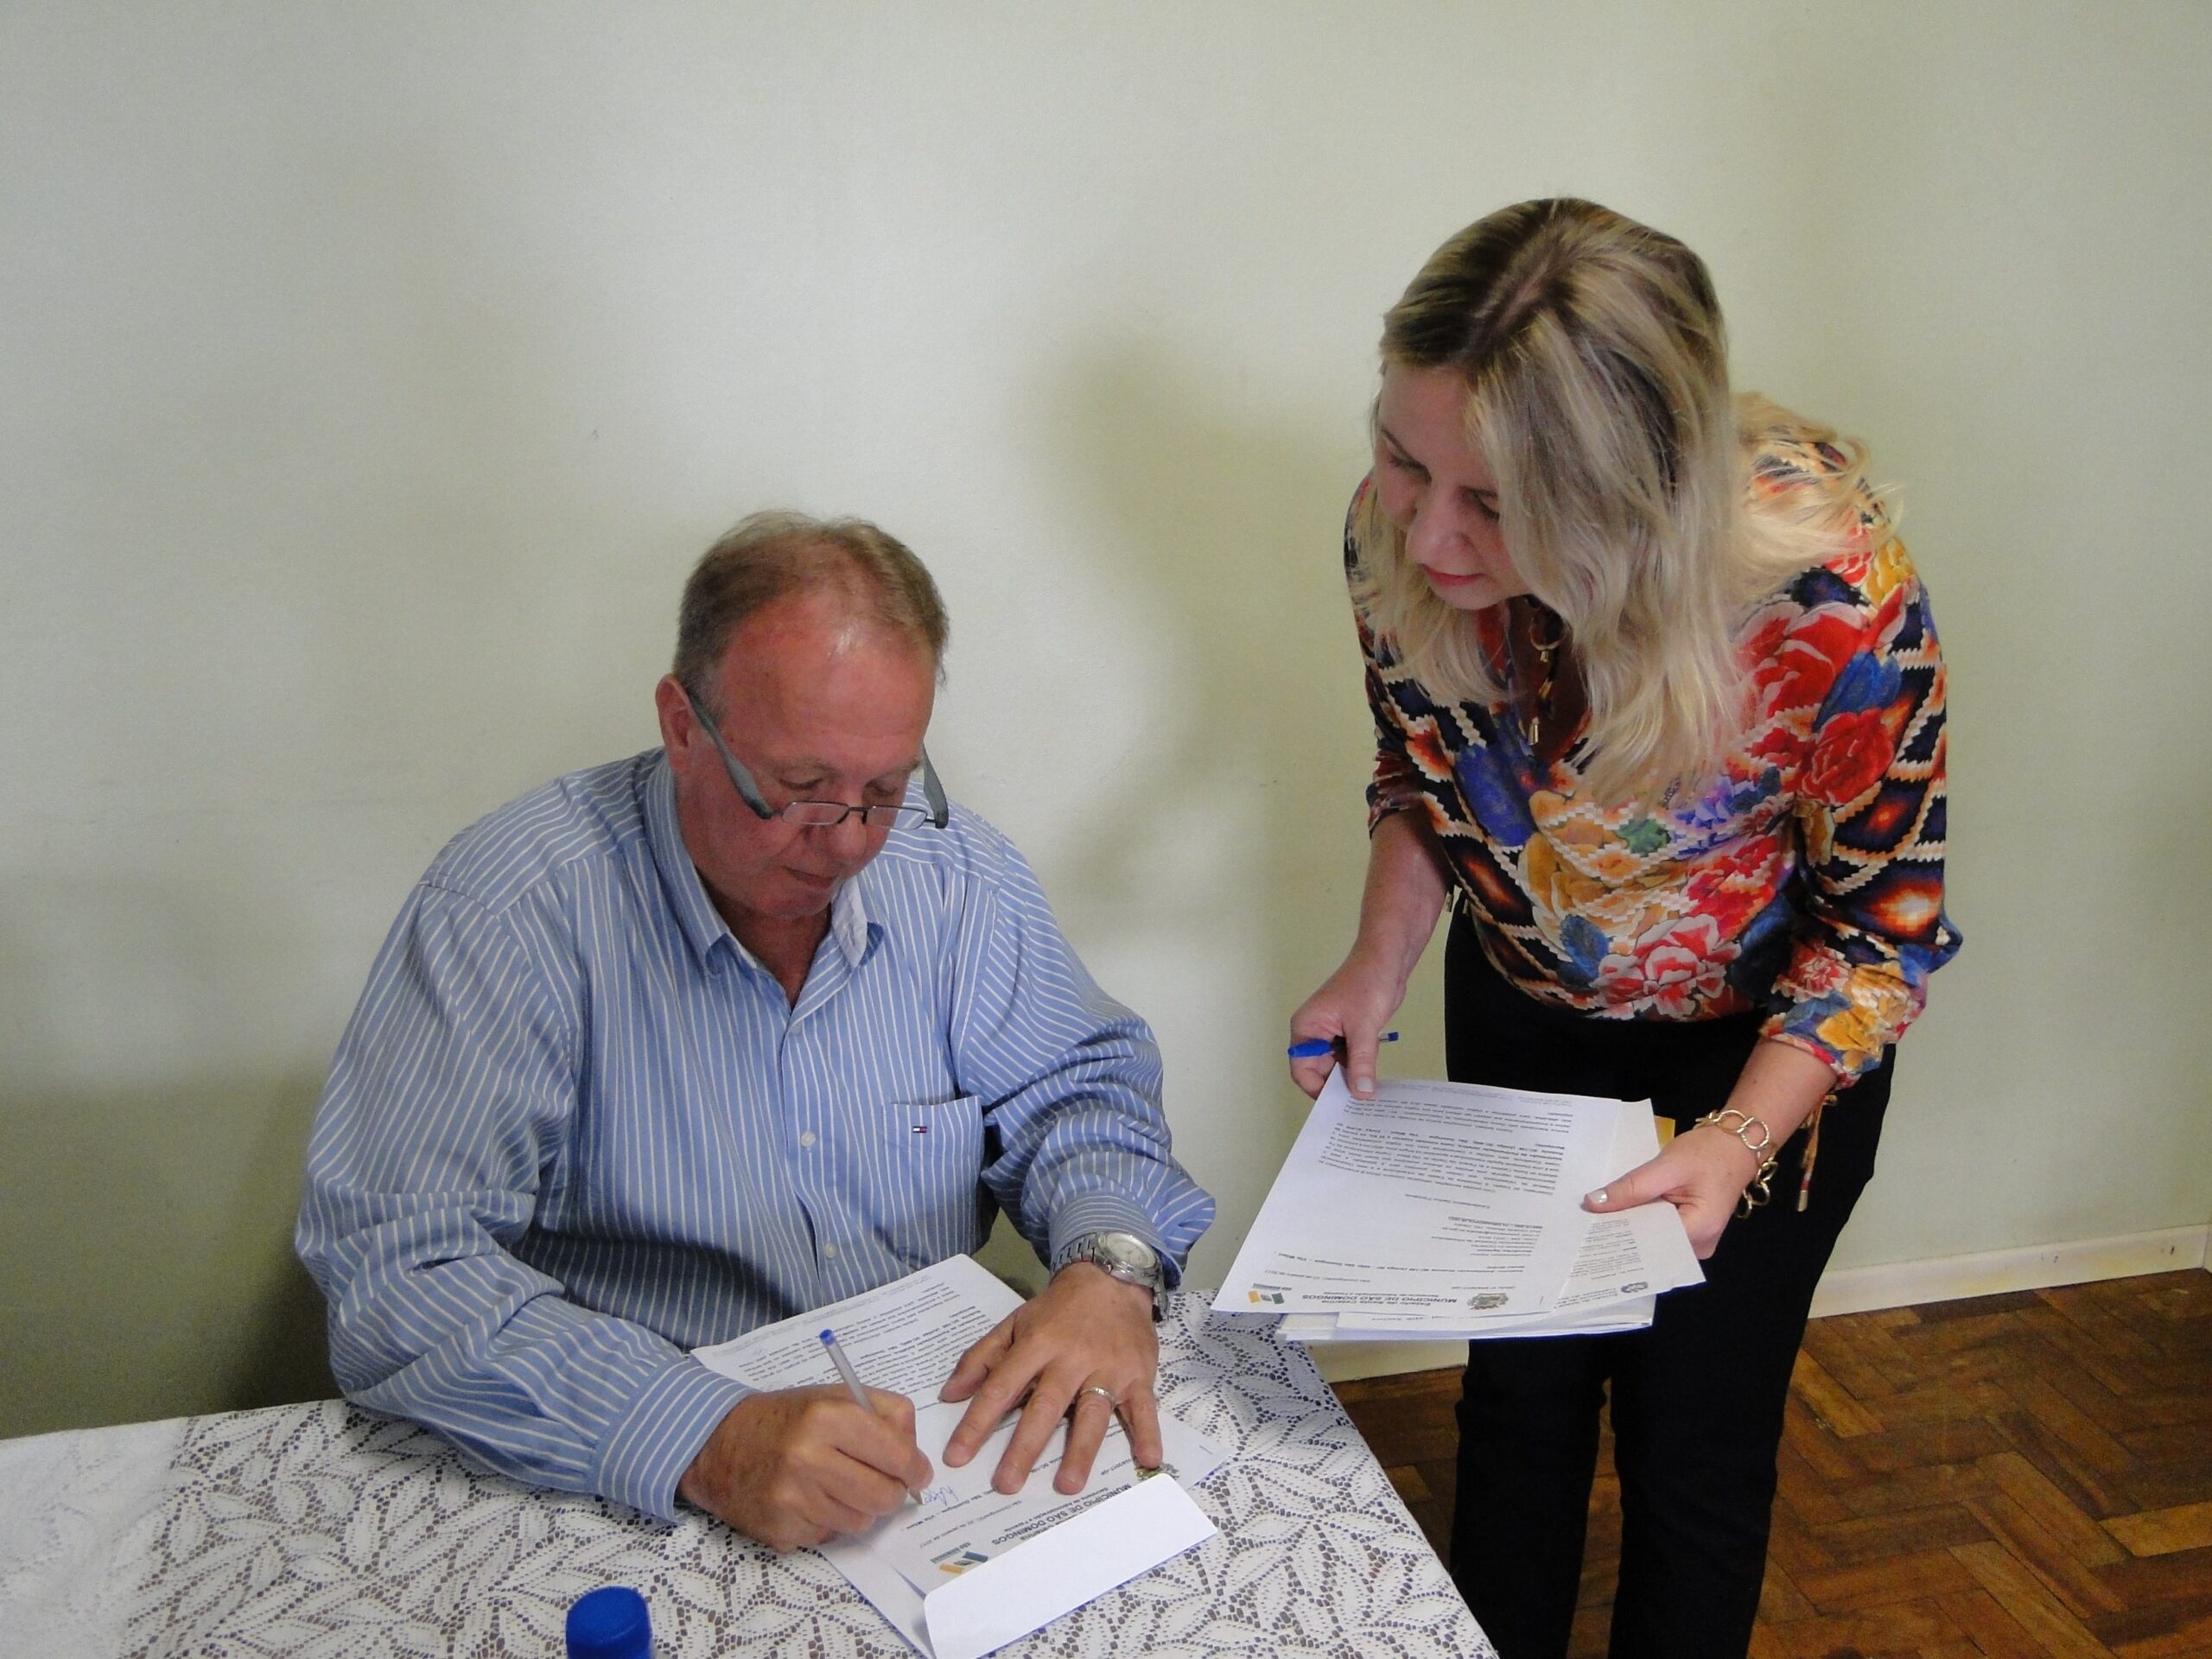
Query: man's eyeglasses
{"type": "Point", "coordinates": [823, 815]}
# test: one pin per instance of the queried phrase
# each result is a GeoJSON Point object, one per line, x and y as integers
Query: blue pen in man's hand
{"type": "Point", "coordinates": [1315, 1048]}
{"type": "Point", "coordinates": [852, 1379]}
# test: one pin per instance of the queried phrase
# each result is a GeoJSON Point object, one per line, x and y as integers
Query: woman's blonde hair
{"type": "Point", "coordinates": [1597, 374]}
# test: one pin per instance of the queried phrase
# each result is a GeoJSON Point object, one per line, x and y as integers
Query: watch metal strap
{"type": "Point", "coordinates": [1092, 1248]}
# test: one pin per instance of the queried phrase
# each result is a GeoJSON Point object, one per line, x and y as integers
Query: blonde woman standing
{"type": "Point", "coordinates": [1659, 708]}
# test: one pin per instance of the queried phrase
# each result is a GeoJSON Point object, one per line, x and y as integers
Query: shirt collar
{"type": "Point", "coordinates": [703, 926]}
{"type": "Point", "coordinates": [849, 923]}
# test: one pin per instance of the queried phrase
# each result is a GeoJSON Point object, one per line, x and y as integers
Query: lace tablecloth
{"type": "Point", "coordinates": [322, 1530]}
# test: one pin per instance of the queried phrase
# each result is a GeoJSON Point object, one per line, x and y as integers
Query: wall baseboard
{"type": "Point", "coordinates": [1863, 1290]}
{"type": "Point", "coordinates": [1992, 1273]}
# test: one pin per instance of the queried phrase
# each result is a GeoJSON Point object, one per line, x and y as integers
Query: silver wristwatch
{"type": "Point", "coordinates": [1123, 1256]}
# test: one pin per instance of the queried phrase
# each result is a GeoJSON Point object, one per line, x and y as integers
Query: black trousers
{"type": "Point", "coordinates": [1696, 1399]}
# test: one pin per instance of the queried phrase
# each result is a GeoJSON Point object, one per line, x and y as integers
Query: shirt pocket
{"type": "Point", "coordinates": [939, 1207]}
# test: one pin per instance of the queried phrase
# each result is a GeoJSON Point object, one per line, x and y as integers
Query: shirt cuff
{"type": "Point", "coordinates": [1109, 1212]}
{"type": "Point", "coordinates": [655, 1439]}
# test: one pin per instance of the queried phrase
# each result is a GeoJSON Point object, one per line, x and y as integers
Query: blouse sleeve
{"type": "Point", "coordinates": [1871, 817]}
{"type": "Point", "coordinates": [1394, 786]}
{"type": "Point", "coordinates": [1397, 783]}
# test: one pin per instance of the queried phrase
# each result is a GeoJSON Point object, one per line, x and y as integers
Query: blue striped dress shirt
{"type": "Point", "coordinates": [575, 1129]}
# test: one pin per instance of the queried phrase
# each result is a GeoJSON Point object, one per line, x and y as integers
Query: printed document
{"type": "Point", "coordinates": [1443, 1210]}
{"type": "Point", "coordinates": [1626, 1259]}
{"type": "Point", "coordinates": [1431, 1197]}
{"type": "Point", "coordinates": [968, 1565]}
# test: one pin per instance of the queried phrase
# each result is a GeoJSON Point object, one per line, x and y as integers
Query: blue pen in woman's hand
{"type": "Point", "coordinates": [1315, 1048]}
{"type": "Point", "coordinates": [852, 1379]}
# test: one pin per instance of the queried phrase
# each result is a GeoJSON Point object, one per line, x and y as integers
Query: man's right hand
{"type": "Point", "coordinates": [799, 1467]}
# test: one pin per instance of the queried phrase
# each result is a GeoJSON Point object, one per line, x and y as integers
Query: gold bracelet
{"type": "Point", "coordinates": [1756, 1192]}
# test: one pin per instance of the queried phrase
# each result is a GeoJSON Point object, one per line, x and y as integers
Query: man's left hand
{"type": "Point", "coordinates": [1088, 1330]}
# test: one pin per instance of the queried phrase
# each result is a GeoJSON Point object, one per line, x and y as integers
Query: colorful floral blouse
{"type": "Point", "coordinates": [1806, 882]}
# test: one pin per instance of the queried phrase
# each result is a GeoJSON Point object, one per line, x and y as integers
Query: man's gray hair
{"type": "Point", "coordinates": [776, 554]}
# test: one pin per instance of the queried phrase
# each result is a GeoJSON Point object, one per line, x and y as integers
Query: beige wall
{"type": "Point", "coordinates": [367, 382]}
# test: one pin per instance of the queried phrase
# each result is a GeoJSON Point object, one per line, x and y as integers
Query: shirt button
{"type": "Point", "coordinates": [828, 1252]}
{"type": "Point", "coordinates": [807, 1139]}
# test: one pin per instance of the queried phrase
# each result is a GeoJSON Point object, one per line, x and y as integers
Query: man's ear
{"type": "Point", "coordinates": [678, 726]}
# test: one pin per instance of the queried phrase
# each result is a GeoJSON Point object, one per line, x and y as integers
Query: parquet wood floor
{"type": "Point", "coordinates": [2024, 1476]}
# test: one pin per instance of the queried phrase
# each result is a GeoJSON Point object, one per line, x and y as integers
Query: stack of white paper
{"type": "Point", "coordinates": [1442, 1211]}
{"type": "Point", "coordinates": [968, 1569]}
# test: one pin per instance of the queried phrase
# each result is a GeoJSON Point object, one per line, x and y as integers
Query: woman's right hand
{"type": "Point", "coordinates": [1349, 1011]}
{"type": "Point", "coordinates": [1398, 908]}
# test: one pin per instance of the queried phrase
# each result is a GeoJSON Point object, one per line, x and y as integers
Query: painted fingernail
{"type": "Point", "coordinates": [1598, 1197]}
{"type": "Point", "coordinates": [1366, 1085]}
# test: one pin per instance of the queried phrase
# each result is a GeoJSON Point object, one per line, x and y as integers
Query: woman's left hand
{"type": "Point", "coordinates": [1702, 1172]}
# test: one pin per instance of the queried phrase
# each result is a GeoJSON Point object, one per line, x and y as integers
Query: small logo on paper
{"type": "Point", "coordinates": [1272, 1294]}
{"type": "Point", "coordinates": [954, 1562]}
{"type": "Point", "coordinates": [1483, 1300]}
{"type": "Point", "coordinates": [1634, 1286]}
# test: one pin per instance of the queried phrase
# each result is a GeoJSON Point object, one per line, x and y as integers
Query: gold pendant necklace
{"type": "Point", "coordinates": [1546, 659]}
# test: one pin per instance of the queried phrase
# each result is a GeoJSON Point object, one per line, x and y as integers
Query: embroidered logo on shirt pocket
{"type": "Point", "coordinates": [943, 1132]}
{"type": "Point", "coordinates": [941, 1208]}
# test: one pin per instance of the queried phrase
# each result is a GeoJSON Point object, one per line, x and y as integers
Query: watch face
{"type": "Point", "coordinates": [1123, 1251]}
